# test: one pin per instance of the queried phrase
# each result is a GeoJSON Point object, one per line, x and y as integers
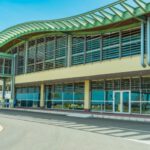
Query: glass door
{"type": "Point", "coordinates": [117, 101]}
{"type": "Point", "coordinates": [122, 101]}
{"type": "Point", "coordinates": [125, 101]}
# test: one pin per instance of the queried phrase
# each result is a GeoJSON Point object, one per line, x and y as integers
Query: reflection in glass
{"type": "Point", "coordinates": [108, 106]}
{"type": "Point", "coordinates": [117, 102]}
{"type": "Point", "coordinates": [135, 96]}
{"type": "Point", "coordinates": [146, 108]}
{"type": "Point", "coordinates": [135, 107]}
{"type": "Point", "coordinates": [125, 100]}
{"type": "Point", "coordinates": [97, 98]}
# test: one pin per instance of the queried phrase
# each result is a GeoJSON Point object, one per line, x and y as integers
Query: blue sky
{"type": "Point", "coordinates": [13, 12]}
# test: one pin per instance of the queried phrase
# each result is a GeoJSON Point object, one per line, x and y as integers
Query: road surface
{"type": "Point", "coordinates": [38, 131]}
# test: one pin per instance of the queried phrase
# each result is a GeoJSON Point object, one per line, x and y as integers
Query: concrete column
{"type": "Point", "coordinates": [42, 96]}
{"type": "Point", "coordinates": [11, 101]}
{"type": "Point", "coordinates": [69, 50]}
{"type": "Point", "coordinates": [12, 82]}
{"type": "Point", "coordinates": [3, 92]}
{"type": "Point", "coordinates": [3, 88]}
{"type": "Point", "coordinates": [87, 99]}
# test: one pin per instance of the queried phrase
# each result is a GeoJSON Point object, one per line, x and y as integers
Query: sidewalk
{"type": "Point", "coordinates": [82, 114]}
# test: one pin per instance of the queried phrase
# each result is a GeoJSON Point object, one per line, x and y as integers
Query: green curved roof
{"type": "Point", "coordinates": [119, 11]}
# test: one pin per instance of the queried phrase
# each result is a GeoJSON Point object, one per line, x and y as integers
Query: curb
{"type": "Point", "coordinates": [85, 115]}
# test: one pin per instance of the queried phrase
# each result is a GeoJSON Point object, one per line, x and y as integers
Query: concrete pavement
{"type": "Point", "coordinates": [37, 131]}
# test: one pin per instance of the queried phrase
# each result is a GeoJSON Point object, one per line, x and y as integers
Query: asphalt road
{"type": "Point", "coordinates": [37, 131]}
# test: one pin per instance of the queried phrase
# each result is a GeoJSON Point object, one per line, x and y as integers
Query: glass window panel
{"type": "Point", "coordinates": [26, 96]}
{"type": "Point", "coordinates": [146, 108]}
{"type": "Point", "coordinates": [78, 96]}
{"type": "Point", "coordinates": [59, 63]}
{"type": "Point", "coordinates": [146, 95]}
{"type": "Point", "coordinates": [57, 105]}
{"type": "Point", "coordinates": [40, 52]}
{"type": "Point", "coordinates": [109, 85]}
{"type": "Point", "coordinates": [131, 42]}
{"type": "Point", "coordinates": [79, 59]}
{"type": "Point", "coordinates": [108, 106]}
{"type": "Point", "coordinates": [49, 65]}
{"type": "Point", "coordinates": [117, 84]}
{"type": "Point", "coordinates": [78, 45]}
{"type": "Point", "coordinates": [109, 95]}
{"type": "Point", "coordinates": [135, 95]}
{"type": "Point", "coordinates": [92, 56]}
{"type": "Point", "coordinates": [110, 53]}
{"type": "Point", "coordinates": [50, 48]}
{"type": "Point", "coordinates": [125, 84]}
{"type": "Point", "coordinates": [68, 92]}
{"type": "Point", "coordinates": [92, 43]}
{"type": "Point", "coordinates": [97, 106]}
{"type": "Point", "coordinates": [135, 84]}
{"type": "Point", "coordinates": [135, 107]}
{"type": "Point", "coordinates": [98, 95]}
{"type": "Point", "coordinates": [20, 58]}
{"type": "Point", "coordinates": [146, 83]}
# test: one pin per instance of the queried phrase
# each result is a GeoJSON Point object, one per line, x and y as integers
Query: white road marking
{"type": "Point", "coordinates": [98, 129]}
{"type": "Point", "coordinates": [129, 133]}
{"type": "Point", "coordinates": [110, 131]}
{"type": "Point", "coordinates": [141, 137]}
{"type": "Point", "coordinates": [1, 128]}
{"type": "Point", "coordinates": [140, 141]}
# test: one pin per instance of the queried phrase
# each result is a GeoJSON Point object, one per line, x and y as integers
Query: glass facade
{"type": "Point", "coordinates": [52, 51]}
{"type": "Point", "coordinates": [131, 95]}
{"type": "Point", "coordinates": [42, 54]}
{"type": "Point", "coordinates": [121, 95]}
{"type": "Point", "coordinates": [5, 66]}
{"type": "Point", "coordinates": [65, 96]}
{"type": "Point", "coordinates": [28, 97]}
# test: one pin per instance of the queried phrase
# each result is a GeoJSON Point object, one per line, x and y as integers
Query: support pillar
{"type": "Point", "coordinates": [3, 92]}
{"type": "Point", "coordinates": [87, 99]}
{"type": "Point", "coordinates": [69, 50]}
{"type": "Point", "coordinates": [12, 82]}
{"type": "Point", "coordinates": [42, 96]}
{"type": "Point", "coordinates": [3, 89]}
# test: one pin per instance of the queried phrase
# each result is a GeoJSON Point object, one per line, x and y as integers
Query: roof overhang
{"type": "Point", "coordinates": [96, 21]}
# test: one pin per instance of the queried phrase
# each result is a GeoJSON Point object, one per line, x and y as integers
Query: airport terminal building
{"type": "Point", "coordinates": [98, 61]}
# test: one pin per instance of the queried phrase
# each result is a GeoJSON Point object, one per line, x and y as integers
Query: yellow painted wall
{"type": "Point", "coordinates": [126, 64]}
{"type": "Point", "coordinates": [42, 95]}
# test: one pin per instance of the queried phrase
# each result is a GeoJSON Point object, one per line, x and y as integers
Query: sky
{"type": "Point", "coordinates": [13, 12]}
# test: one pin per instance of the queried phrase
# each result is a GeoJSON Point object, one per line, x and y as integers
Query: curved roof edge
{"type": "Point", "coordinates": [116, 12]}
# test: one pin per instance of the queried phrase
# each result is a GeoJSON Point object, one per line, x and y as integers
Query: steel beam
{"type": "Point", "coordinates": [148, 41]}
{"type": "Point", "coordinates": [142, 43]}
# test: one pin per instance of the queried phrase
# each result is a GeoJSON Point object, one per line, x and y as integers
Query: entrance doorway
{"type": "Point", "coordinates": [121, 101]}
